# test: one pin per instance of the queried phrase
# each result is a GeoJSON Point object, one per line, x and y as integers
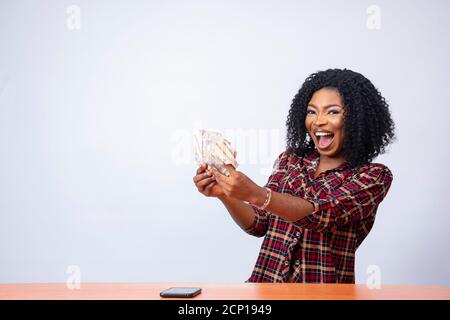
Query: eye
{"type": "Point", "coordinates": [310, 111]}
{"type": "Point", "coordinates": [333, 112]}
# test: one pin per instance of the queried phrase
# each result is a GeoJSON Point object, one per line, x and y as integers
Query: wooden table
{"type": "Point", "coordinates": [213, 291]}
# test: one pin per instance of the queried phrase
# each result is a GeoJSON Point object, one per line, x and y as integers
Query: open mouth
{"type": "Point", "coordinates": [324, 139]}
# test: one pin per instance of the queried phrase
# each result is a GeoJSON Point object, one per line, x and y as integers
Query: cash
{"type": "Point", "coordinates": [212, 148]}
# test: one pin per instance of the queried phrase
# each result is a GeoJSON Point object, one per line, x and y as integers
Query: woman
{"type": "Point", "coordinates": [320, 201]}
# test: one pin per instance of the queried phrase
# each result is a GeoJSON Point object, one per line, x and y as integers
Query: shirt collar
{"type": "Point", "coordinates": [311, 162]}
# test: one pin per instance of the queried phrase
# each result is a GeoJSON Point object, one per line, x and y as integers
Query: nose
{"type": "Point", "coordinates": [320, 120]}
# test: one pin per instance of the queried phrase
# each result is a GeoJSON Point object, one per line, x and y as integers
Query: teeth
{"type": "Point", "coordinates": [321, 134]}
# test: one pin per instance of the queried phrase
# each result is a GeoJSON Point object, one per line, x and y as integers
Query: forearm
{"type": "Point", "coordinates": [241, 212]}
{"type": "Point", "coordinates": [288, 207]}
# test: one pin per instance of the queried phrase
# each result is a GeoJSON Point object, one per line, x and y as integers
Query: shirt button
{"type": "Point", "coordinates": [286, 263]}
{"type": "Point", "coordinates": [298, 234]}
{"type": "Point", "coordinates": [297, 262]}
{"type": "Point", "coordinates": [295, 240]}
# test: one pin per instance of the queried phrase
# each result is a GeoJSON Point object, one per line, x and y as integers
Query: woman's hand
{"type": "Point", "coordinates": [206, 183]}
{"type": "Point", "coordinates": [239, 186]}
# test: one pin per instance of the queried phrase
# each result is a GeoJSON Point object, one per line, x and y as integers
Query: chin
{"type": "Point", "coordinates": [328, 153]}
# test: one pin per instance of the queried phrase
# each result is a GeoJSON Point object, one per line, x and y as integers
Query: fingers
{"type": "Point", "coordinates": [201, 176]}
{"type": "Point", "coordinates": [208, 189]}
{"type": "Point", "coordinates": [201, 168]}
{"type": "Point", "coordinates": [209, 186]}
{"type": "Point", "coordinates": [231, 169]}
{"type": "Point", "coordinates": [205, 182]}
{"type": "Point", "coordinates": [220, 178]}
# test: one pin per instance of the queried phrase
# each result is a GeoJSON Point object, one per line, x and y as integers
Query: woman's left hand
{"type": "Point", "coordinates": [239, 186]}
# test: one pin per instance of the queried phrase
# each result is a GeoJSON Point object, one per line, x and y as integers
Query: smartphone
{"type": "Point", "coordinates": [179, 292]}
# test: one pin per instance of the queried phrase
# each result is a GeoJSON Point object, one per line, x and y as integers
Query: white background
{"type": "Point", "coordinates": [95, 128]}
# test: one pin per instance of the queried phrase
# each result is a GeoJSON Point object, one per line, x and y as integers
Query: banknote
{"type": "Point", "coordinates": [212, 148]}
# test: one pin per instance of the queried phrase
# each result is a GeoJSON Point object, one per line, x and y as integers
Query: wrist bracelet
{"type": "Point", "coordinates": [267, 200]}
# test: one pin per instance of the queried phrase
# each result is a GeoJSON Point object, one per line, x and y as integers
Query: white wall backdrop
{"type": "Point", "coordinates": [98, 100]}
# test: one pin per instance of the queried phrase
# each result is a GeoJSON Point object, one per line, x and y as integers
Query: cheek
{"type": "Point", "coordinates": [341, 136]}
{"type": "Point", "coordinates": [338, 125]}
{"type": "Point", "coordinates": [308, 123]}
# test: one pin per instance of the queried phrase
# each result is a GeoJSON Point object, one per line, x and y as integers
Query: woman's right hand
{"type": "Point", "coordinates": [206, 183]}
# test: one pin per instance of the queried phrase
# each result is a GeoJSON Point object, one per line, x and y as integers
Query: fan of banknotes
{"type": "Point", "coordinates": [212, 148]}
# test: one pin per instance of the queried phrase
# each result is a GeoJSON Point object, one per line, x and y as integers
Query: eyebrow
{"type": "Point", "coordinates": [325, 107]}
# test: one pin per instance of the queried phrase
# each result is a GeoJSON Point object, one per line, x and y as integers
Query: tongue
{"type": "Point", "coordinates": [325, 141]}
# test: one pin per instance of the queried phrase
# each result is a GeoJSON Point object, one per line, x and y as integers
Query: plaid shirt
{"type": "Point", "coordinates": [320, 248]}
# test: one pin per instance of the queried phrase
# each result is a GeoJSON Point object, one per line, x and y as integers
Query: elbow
{"type": "Point", "coordinates": [257, 234]}
{"type": "Point", "coordinates": [258, 230]}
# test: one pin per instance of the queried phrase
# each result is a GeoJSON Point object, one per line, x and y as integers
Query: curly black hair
{"type": "Point", "coordinates": [368, 126]}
